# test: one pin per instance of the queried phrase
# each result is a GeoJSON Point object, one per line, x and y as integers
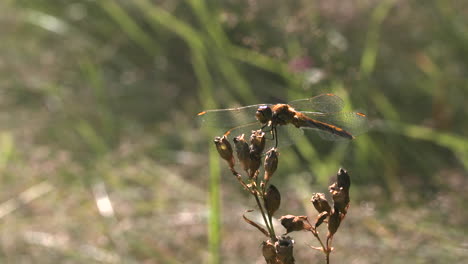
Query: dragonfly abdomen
{"type": "Point", "coordinates": [312, 123]}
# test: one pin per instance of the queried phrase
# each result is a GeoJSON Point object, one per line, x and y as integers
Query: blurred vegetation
{"type": "Point", "coordinates": [102, 160]}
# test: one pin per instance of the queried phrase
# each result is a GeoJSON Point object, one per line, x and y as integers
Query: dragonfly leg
{"type": "Point", "coordinates": [275, 136]}
{"type": "Point", "coordinates": [263, 127]}
{"type": "Point", "coordinates": [270, 131]}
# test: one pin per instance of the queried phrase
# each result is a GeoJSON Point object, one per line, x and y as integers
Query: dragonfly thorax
{"type": "Point", "coordinates": [283, 114]}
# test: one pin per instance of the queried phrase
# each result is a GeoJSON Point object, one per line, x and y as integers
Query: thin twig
{"type": "Point", "coordinates": [239, 178]}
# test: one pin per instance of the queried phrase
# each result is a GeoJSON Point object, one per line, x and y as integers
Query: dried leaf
{"type": "Point", "coordinates": [255, 224]}
{"type": "Point", "coordinates": [295, 223]}
{"type": "Point", "coordinates": [272, 200]}
{"type": "Point", "coordinates": [316, 248]}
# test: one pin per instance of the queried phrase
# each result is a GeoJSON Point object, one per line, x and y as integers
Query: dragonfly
{"type": "Point", "coordinates": [321, 114]}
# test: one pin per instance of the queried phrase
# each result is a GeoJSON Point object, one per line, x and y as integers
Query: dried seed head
{"type": "Point", "coordinates": [224, 149]}
{"type": "Point", "coordinates": [295, 223]}
{"type": "Point", "coordinates": [272, 200]}
{"type": "Point", "coordinates": [271, 163]}
{"type": "Point", "coordinates": [334, 222]}
{"type": "Point", "coordinates": [242, 151]}
{"type": "Point", "coordinates": [320, 203]}
{"type": "Point", "coordinates": [257, 142]}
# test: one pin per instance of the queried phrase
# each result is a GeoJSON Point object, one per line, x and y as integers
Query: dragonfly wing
{"type": "Point", "coordinates": [228, 118]}
{"type": "Point", "coordinates": [352, 122]}
{"type": "Point", "coordinates": [288, 135]}
{"type": "Point", "coordinates": [325, 103]}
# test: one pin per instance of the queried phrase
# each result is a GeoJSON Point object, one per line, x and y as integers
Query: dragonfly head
{"type": "Point", "coordinates": [264, 114]}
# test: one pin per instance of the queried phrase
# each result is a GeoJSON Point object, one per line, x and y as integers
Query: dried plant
{"type": "Point", "coordinates": [279, 249]}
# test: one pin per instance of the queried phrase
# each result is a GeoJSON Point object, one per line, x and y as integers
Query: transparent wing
{"type": "Point", "coordinates": [352, 122]}
{"type": "Point", "coordinates": [288, 135]}
{"type": "Point", "coordinates": [228, 118]}
{"type": "Point", "coordinates": [326, 103]}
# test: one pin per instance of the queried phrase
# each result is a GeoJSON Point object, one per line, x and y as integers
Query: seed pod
{"type": "Point", "coordinates": [333, 222]}
{"type": "Point", "coordinates": [257, 142]}
{"type": "Point", "coordinates": [225, 150]}
{"type": "Point", "coordinates": [272, 200]}
{"type": "Point", "coordinates": [320, 203]}
{"type": "Point", "coordinates": [340, 192]}
{"type": "Point", "coordinates": [271, 163]}
{"type": "Point", "coordinates": [242, 151]}
{"type": "Point", "coordinates": [341, 202]}
{"type": "Point", "coordinates": [320, 218]}
{"type": "Point", "coordinates": [254, 164]}
{"type": "Point", "coordinates": [343, 179]}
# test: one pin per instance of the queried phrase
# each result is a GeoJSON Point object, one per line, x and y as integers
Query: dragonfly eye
{"type": "Point", "coordinates": [264, 114]}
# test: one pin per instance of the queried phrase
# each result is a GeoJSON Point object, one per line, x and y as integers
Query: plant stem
{"type": "Point", "coordinates": [320, 241]}
{"type": "Point", "coordinates": [270, 228]}
{"type": "Point", "coordinates": [329, 240]}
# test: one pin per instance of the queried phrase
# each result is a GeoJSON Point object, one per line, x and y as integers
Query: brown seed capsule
{"type": "Point", "coordinates": [242, 151]}
{"type": "Point", "coordinates": [225, 150]}
{"type": "Point", "coordinates": [254, 164]}
{"type": "Point", "coordinates": [271, 163]}
{"type": "Point", "coordinates": [320, 218]}
{"type": "Point", "coordinates": [295, 223]}
{"type": "Point", "coordinates": [272, 200]}
{"type": "Point", "coordinates": [340, 200]}
{"type": "Point", "coordinates": [340, 192]}
{"type": "Point", "coordinates": [320, 203]}
{"type": "Point", "coordinates": [334, 222]}
{"type": "Point", "coordinates": [257, 142]}
{"type": "Point", "coordinates": [343, 179]}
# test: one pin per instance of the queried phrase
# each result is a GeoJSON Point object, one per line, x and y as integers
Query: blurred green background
{"type": "Point", "coordinates": [102, 160]}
